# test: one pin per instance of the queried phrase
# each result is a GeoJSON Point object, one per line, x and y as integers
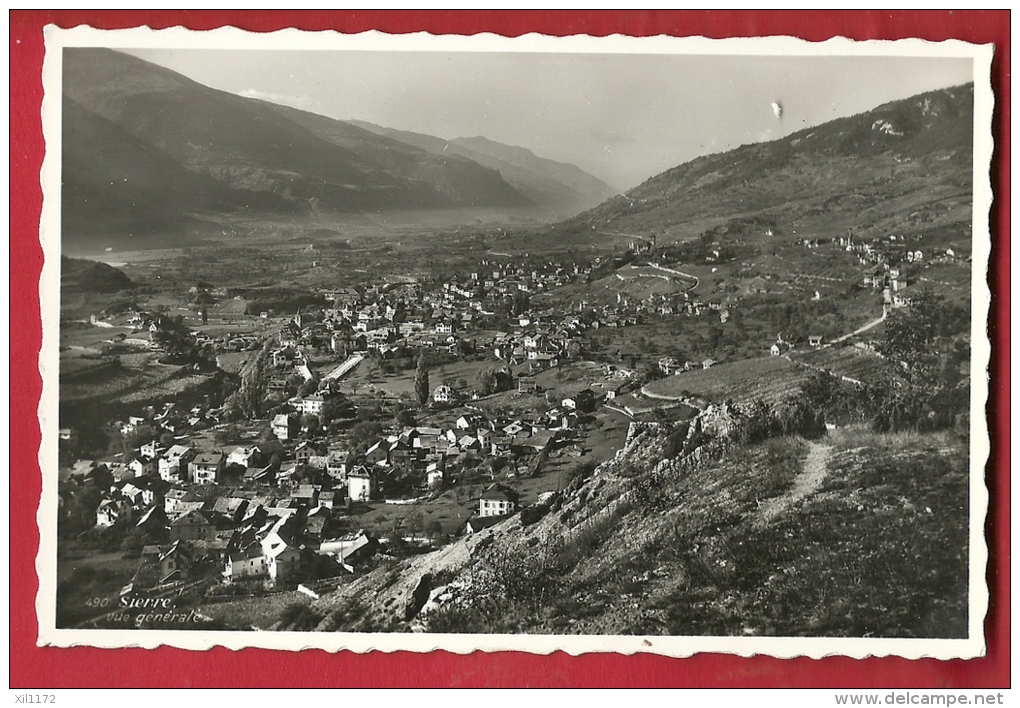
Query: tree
{"type": "Point", "coordinates": [585, 401]}
{"type": "Point", "coordinates": [310, 422]}
{"type": "Point", "coordinates": [251, 396]}
{"type": "Point", "coordinates": [308, 387]}
{"type": "Point", "coordinates": [434, 529]}
{"type": "Point", "coordinates": [920, 335]}
{"type": "Point", "coordinates": [416, 522]}
{"type": "Point", "coordinates": [405, 417]}
{"type": "Point", "coordinates": [229, 434]}
{"type": "Point", "coordinates": [421, 380]}
{"type": "Point", "coordinates": [332, 407]}
{"type": "Point", "coordinates": [486, 382]}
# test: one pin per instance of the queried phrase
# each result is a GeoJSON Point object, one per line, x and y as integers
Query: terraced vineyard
{"type": "Point", "coordinates": [849, 362]}
{"type": "Point", "coordinates": [769, 379]}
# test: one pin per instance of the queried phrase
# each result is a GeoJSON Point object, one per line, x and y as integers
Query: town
{"type": "Point", "coordinates": [388, 419]}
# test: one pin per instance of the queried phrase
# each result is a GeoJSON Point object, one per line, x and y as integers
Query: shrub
{"type": "Point", "coordinates": [299, 617]}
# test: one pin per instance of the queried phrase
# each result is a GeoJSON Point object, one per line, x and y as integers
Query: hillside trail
{"type": "Point", "coordinates": [816, 465]}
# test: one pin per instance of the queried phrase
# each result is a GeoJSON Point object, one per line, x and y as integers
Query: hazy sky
{"type": "Point", "coordinates": [623, 118]}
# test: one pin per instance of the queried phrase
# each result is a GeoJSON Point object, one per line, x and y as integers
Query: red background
{"type": "Point", "coordinates": [33, 667]}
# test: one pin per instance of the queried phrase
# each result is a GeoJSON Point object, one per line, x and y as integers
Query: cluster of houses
{"type": "Point", "coordinates": [883, 260]}
{"type": "Point", "coordinates": [243, 534]}
{"type": "Point", "coordinates": [279, 534]}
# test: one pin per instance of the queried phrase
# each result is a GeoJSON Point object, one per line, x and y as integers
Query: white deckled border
{"type": "Point", "coordinates": [292, 39]}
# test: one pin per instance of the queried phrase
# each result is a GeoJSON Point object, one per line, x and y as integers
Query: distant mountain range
{"type": "Point", "coordinates": [148, 152]}
{"type": "Point", "coordinates": [559, 188]}
{"type": "Point", "coordinates": [904, 167]}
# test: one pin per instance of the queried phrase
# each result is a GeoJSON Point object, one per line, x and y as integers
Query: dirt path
{"type": "Point", "coordinates": [809, 479]}
{"type": "Point", "coordinates": [874, 323]}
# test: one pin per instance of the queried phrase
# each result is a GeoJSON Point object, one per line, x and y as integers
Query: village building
{"type": "Point", "coordinates": [206, 467]}
{"type": "Point", "coordinates": [285, 426]}
{"type": "Point", "coordinates": [497, 500]}
{"type": "Point", "coordinates": [359, 484]}
{"type": "Point", "coordinates": [245, 563]}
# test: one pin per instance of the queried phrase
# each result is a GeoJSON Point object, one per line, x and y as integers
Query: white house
{"type": "Point", "coordinates": [250, 562]}
{"type": "Point", "coordinates": [359, 484]}
{"type": "Point", "coordinates": [173, 463]}
{"type": "Point", "coordinates": [497, 501]}
{"type": "Point", "coordinates": [434, 475]}
{"type": "Point", "coordinates": [205, 468]}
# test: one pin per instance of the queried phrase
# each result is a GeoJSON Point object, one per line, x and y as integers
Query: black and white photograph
{"type": "Point", "coordinates": [585, 344]}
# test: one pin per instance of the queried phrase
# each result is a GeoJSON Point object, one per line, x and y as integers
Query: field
{"type": "Point", "coordinates": [259, 612]}
{"type": "Point", "coordinates": [368, 377]}
{"type": "Point", "coordinates": [766, 378]}
{"type": "Point", "coordinates": [233, 362]}
{"type": "Point", "coordinates": [139, 378]}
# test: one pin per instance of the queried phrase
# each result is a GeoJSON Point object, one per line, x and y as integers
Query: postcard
{"type": "Point", "coordinates": [416, 342]}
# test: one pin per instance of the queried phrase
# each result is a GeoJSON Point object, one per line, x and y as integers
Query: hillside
{"type": "Point", "coordinates": [82, 276]}
{"type": "Point", "coordinates": [904, 167]}
{"type": "Point", "coordinates": [559, 188]}
{"type": "Point", "coordinates": [119, 190]}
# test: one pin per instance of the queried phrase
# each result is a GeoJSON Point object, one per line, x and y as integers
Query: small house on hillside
{"type": "Point", "coordinates": [480, 523]}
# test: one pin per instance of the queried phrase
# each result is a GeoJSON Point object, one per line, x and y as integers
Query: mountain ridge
{"type": "Point", "coordinates": [894, 151]}
{"type": "Point", "coordinates": [560, 188]}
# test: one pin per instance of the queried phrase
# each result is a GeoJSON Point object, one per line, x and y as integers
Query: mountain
{"type": "Point", "coordinates": [117, 188]}
{"type": "Point", "coordinates": [190, 152]}
{"type": "Point", "coordinates": [905, 166]}
{"type": "Point", "coordinates": [557, 187]}
{"type": "Point", "coordinates": [463, 181]}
